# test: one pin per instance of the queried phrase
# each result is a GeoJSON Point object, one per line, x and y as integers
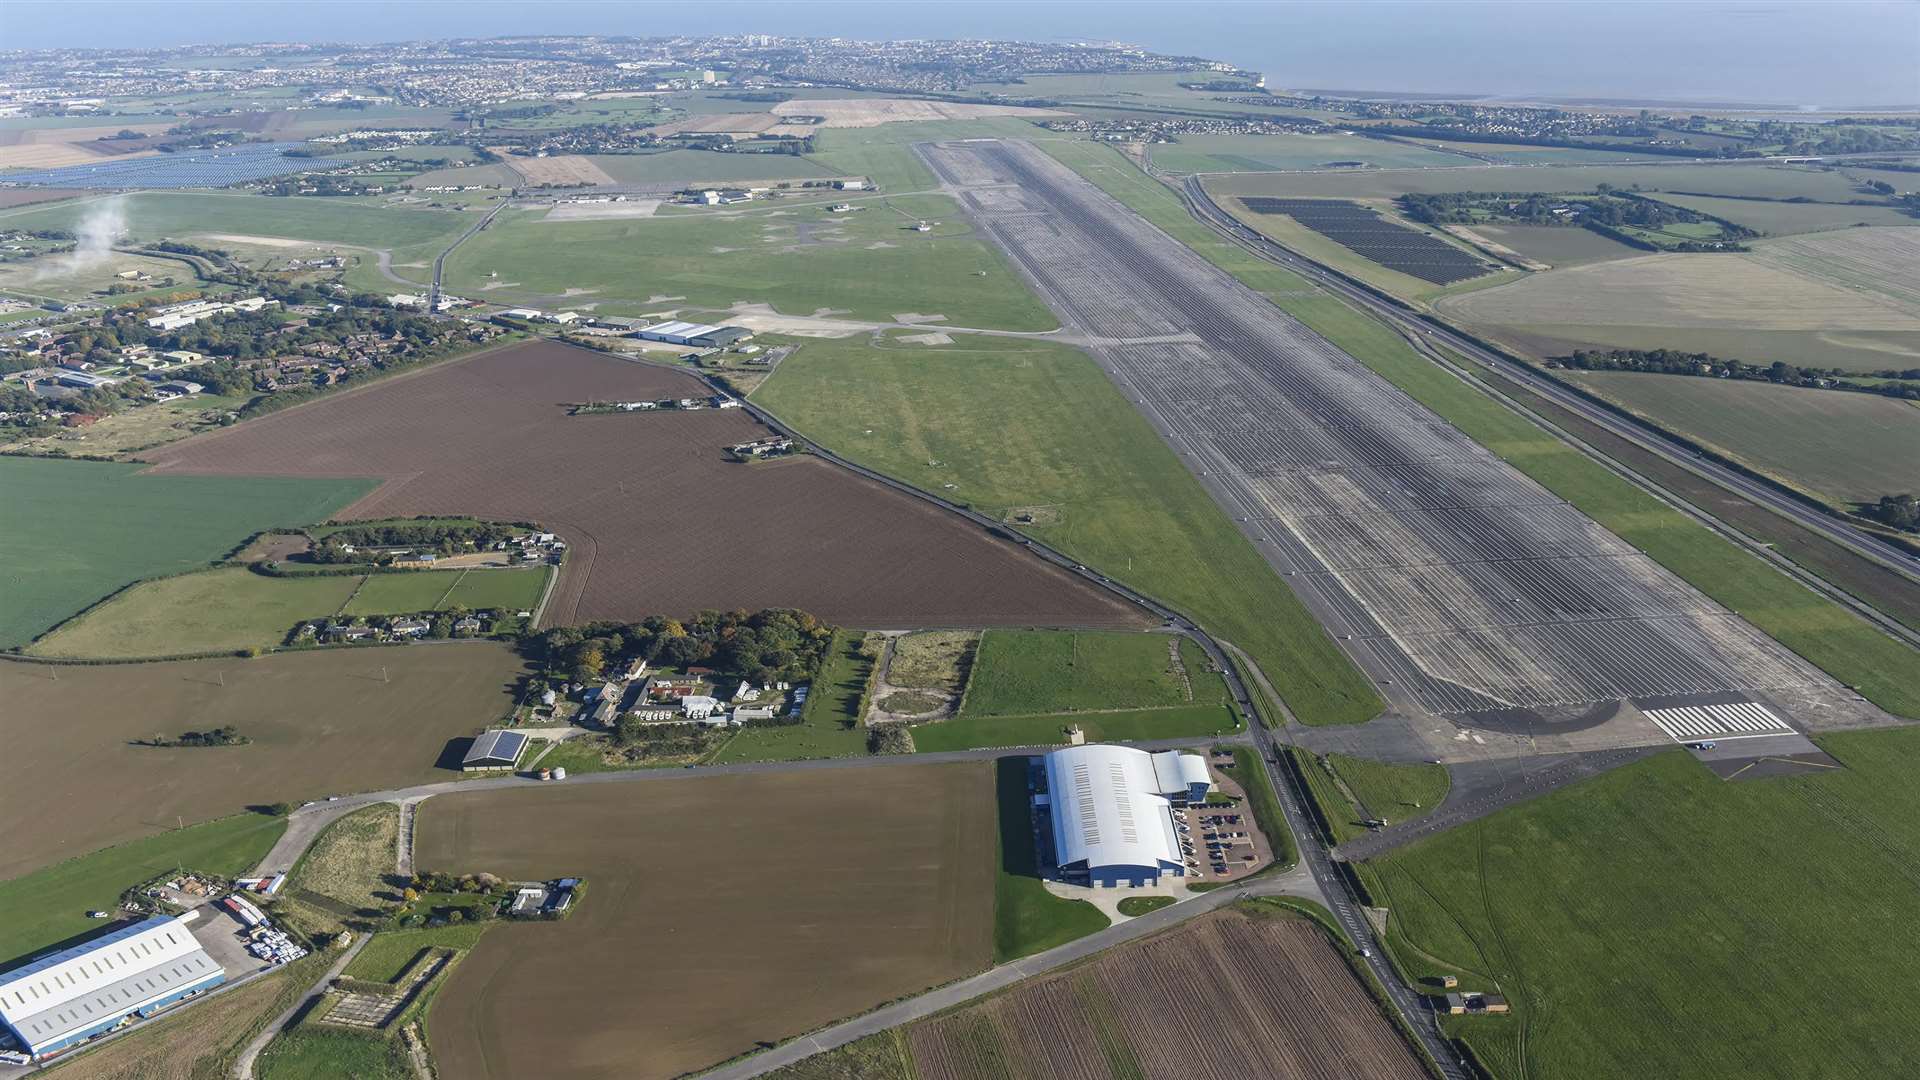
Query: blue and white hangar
{"type": "Point", "coordinates": [1110, 812]}
{"type": "Point", "coordinates": [67, 997]}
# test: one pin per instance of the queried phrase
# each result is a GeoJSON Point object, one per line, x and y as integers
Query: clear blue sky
{"type": "Point", "coordinates": [1832, 53]}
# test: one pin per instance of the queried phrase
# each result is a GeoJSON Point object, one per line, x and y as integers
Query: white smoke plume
{"type": "Point", "coordinates": [97, 232]}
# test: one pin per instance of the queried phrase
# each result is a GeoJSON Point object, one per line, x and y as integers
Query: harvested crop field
{"type": "Point", "coordinates": [564, 170]}
{"type": "Point", "coordinates": [721, 911]}
{"type": "Point", "coordinates": [658, 520]}
{"type": "Point", "coordinates": [1884, 263]}
{"type": "Point", "coordinates": [1751, 307]}
{"type": "Point", "coordinates": [1842, 447]}
{"type": "Point", "coordinates": [1229, 995]}
{"type": "Point", "coordinates": [321, 722]}
{"type": "Point", "coordinates": [871, 112]}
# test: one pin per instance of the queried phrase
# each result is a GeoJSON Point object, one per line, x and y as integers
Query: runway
{"type": "Point", "coordinates": [1453, 579]}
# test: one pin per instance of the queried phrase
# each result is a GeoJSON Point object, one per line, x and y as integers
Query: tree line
{"type": "Point", "coordinates": [1904, 384]}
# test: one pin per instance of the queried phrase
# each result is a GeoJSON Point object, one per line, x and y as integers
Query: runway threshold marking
{"type": "Point", "coordinates": [1738, 720]}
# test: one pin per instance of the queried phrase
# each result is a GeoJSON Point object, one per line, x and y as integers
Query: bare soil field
{"type": "Point", "coordinates": [566, 169]}
{"type": "Point", "coordinates": [658, 520]}
{"type": "Point", "coordinates": [872, 112]}
{"type": "Point", "coordinates": [1228, 995]}
{"type": "Point", "coordinates": [321, 722]}
{"type": "Point", "coordinates": [720, 912]}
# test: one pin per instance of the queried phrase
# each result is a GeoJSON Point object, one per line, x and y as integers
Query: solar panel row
{"type": "Point", "coordinates": [1393, 246]}
{"type": "Point", "coordinates": [186, 169]}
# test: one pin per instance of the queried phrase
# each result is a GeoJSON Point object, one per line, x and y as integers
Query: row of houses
{"type": "Point", "coordinates": [397, 628]}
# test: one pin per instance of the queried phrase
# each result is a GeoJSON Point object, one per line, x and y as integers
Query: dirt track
{"type": "Point", "coordinates": [659, 520]}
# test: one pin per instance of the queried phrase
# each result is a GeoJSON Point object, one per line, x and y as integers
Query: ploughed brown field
{"type": "Point", "coordinates": [1227, 996]}
{"type": "Point", "coordinates": [321, 722]}
{"type": "Point", "coordinates": [720, 911]}
{"type": "Point", "coordinates": [658, 519]}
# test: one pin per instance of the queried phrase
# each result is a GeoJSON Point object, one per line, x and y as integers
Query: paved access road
{"type": "Point", "coordinates": [305, 824]}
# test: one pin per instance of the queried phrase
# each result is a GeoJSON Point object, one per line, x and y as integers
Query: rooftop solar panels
{"type": "Point", "coordinates": [1361, 229]}
{"type": "Point", "coordinates": [495, 749]}
{"type": "Point", "coordinates": [186, 169]}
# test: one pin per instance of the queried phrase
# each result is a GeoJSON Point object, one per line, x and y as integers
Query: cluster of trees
{"type": "Point", "coordinates": [319, 184]}
{"type": "Point", "coordinates": [765, 646]}
{"type": "Point", "coordinates": [220, 736]}
{"type": "Point", "coordinates": [1678, 362]}
{"type": "Point", "coordinates": [1899, 511]}
{"type": "Point", "coordinates": [445, 537]}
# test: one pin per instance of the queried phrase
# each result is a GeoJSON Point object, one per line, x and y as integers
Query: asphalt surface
{"type": "Point", "coordinates": [1424, 331]}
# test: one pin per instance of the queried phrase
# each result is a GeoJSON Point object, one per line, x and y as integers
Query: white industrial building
{"type": "Point", "coordinates": [67, 997]}
{"type": "Point", "coordinates": [699, 335]}
{"type": "Point", "coordinates": [1110, 809]}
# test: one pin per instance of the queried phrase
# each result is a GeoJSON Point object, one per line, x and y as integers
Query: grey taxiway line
{"type": "Point", "coordinates": [1423, 332]}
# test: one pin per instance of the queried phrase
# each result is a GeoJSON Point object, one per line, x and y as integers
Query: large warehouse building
{"type": "Point", "coordinates": [1111, 812]}
{"type": "Point", "coordinates": [68, 997]}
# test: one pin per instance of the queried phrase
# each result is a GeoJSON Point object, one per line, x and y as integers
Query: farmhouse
{"type": "Point", "coordinates": [495, 751]}
{"type": "Point", "coordinates": [1476, 1003]}
{"type": "Point", "coordinates": [1110, 811]}
{"type": "Point", "coordinates": [68, 997]}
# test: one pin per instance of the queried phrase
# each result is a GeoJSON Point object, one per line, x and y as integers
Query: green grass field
{"type": "Point", "coordinates": [213, 610]}
{"type": "Point", "coordinates": [1658, 900]}
{"type": "Point", "coordinates": [387, 955]}
{"type": "Point", "coordinates": [151, 215]}
{"type": "Point", "coordinates": [233, 608]}
{"type": "Point", "coordinates": [75, 531]}
{"type": "Point", "coordinates": [1273, 153]}
{"type": "Point", "coordinates": [1826, 634]}
{"type": "Point", "coordinates": [885, 152]}
{"type": "Point", "coordinates": [1021, 672]}
{"type": "Point", "coordinates": [829, 722]}
{"type": "Point", "coordinates": [440, 590]}
{"type": "Point", "coordinates": [1786, 219]}
{"type": "Point", "coordinates": [870, 264]}
{"type": "Point", "coordinates": [309, 1052]}
{"type": "Point", "coordinates": [1753, 179]}
{"type": "Point", "coordinates": [1839, 447]}
{"type": "Point", "coordinates": [1026, 917]}
{"type": "Point", "coordinates": [1251, 774]}
{"type": "Point", "coordinates": [690, 166]}
{"type": "Point", "coordinates": [49, 906]}
{"type": "Point", "coordinates": [1392, 793]}
{"type": "Point", "coordinates": [1021, 424]}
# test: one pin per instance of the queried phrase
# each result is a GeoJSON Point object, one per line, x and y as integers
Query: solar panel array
{"type": "Point", "coordinates": [1365, 232]}
{"type": "Point", "coordinates": [1453, 577]}
{"type": "Point", "coordinates": [184, 169]}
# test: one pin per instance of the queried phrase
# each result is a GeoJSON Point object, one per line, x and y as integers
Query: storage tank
{"type": "Point", "coordinates": [560, 772]}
